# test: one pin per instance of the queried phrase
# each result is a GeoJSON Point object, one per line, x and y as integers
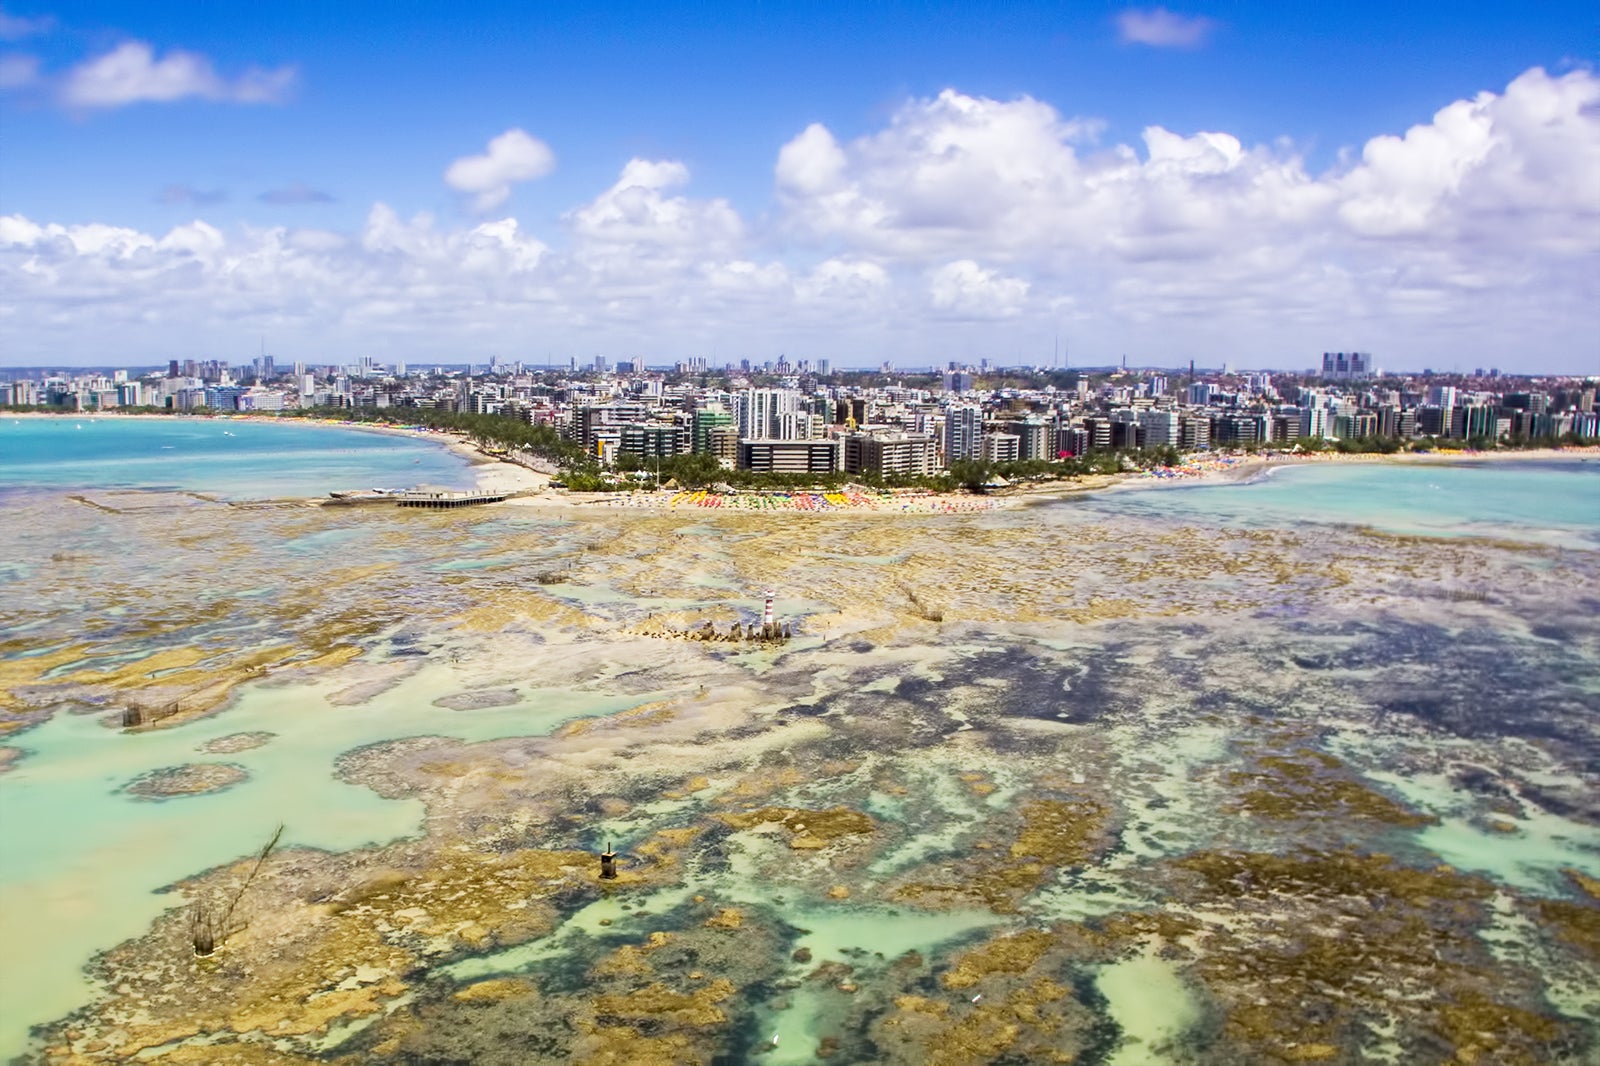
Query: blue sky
{"type": "Point", "coordinates": [305, 117]}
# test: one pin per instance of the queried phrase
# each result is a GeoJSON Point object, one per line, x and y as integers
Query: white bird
{"type": "Point", "coordinates": [774, 1039]}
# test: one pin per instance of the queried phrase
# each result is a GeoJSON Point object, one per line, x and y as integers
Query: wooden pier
{"type": "Point", "coordinates": [447, 499]}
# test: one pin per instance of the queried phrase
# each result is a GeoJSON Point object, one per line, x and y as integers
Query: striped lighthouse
{"type": "Point", "coordinates": [766, 614]}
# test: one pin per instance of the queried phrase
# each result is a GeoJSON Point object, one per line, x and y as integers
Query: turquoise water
{"type": "Point", "coordinates": [234, 458]}
{"type": "Point", "coordinates": [55, 904]}
{"type": "Point", "coordinates": [1554, 501]}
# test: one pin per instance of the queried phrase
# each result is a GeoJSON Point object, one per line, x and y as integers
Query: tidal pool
{"type": "Point", "coordinates": [1062, 763]}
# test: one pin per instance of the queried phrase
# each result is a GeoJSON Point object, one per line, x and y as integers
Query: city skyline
{"type": "Point", "coordinates": [922, 186]}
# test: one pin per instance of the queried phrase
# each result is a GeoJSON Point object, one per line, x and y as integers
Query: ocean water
{"type": "Point", "coordinates": [1551, 501]}
{"type": "Point", "coordinates": [233, 458]}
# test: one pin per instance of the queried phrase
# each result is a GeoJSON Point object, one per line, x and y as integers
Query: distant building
{"type": "Point", "coordinates": [1346, 365]}
{"type": "Point", "coordinates": [790, 456]}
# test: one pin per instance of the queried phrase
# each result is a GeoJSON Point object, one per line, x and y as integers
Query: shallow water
{"type": "Point", "coordinates": [1080, 658]}
{"type": "Point", "coordinates": [84, 863]}
{"type": "Point", "coordinates": [235, 459]}
{"type": "Point", "coordinates": [1551, 501]}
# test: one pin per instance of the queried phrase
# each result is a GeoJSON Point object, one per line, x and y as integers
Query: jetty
{"type": "Point", "coordinates": [419, 498]}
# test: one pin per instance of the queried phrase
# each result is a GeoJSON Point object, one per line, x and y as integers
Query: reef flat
{"type": "Point", "coordinates": [1039, 785]}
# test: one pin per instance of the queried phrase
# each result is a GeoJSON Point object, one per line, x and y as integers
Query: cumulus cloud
{"type": "Point", "coordinates": [967, 289]}
{"type": "Point", "coordinates": [131, 74]}
{"type": "Point", "coordinates": [1160, 28]}
{"type": "Point", "coordinates": [512, 157]}
{"type": "Point", "coordinates": [295, 193]}
{"type": "Point", "coordinates": [637, 212]}
{"type": "Point", "coordinates": [16, 27]}
{"type": "Point", "coordinates": [963, 225]}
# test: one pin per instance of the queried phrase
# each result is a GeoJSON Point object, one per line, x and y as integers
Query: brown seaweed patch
{"type": "Point", "coordinates": [1004, 954]}
{"type": "Point", "coordinates": [1326, 945]}
{"type": "Point", "coordinates": [658, 1003]}
{"type": "Point", "coordinates": [1577, 924]}
{"type": "Point", "coordinates": [1306, 784]}
{"type": "Point", "coordinates": [809, 830]}
{"type": "Point", "coordinates": [1053, 834]}
{"type": "Point", "coordinates": [1590, 885]}
{"type": "Point", "coordinates": [1038, 1020]}
{"type": "Point", "coordinates": [299, 965]}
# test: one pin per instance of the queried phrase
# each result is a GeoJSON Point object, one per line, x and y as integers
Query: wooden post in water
{"type": "Point", "coordinates": [608, 864]}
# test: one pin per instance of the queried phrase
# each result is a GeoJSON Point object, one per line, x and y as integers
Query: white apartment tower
{"type": "Point", "coordinates": [963, 432]}
{"type": "Point", "coordinates": [771, 414]}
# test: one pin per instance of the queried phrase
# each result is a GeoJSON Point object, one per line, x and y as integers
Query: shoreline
{"type": "Point", "coordinates": [531, 488]}
{"type": "Point", "coordinates": [1244, 467]}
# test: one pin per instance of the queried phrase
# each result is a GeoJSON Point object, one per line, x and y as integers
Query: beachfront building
{"type": "Point", "coordinates": [1160, 429]}
{"type": "Point", "coordinates": [889, 454]}
{"type": "Point", "coordinates": [791, 456]}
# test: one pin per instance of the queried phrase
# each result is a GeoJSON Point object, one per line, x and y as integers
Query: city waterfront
{"type": "Point", "coordinates": [1322, 777]}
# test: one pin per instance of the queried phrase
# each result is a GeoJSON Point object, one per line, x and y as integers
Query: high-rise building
{"type": "Point", "coordinates": [772, 414]}
{"type": "Point", "coordinates": [1035, 438]}
{"type": "Point", "coordinates": [963, 432]}
{"type": "Point", "coordinates": [1346, 365]}
{"type": "Point", "coordinates": [1442, 396]}
{"type": "Point", "coordinates": [1159, 428]}
{"type": "Point", "coordinates": [705, 420]}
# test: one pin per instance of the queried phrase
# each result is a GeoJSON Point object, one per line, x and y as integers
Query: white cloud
{"type": "Point", "coordinates": [16, 27]}
{"type": "Point", "coordinates": [512, 157]}
{"type": "Point", "coordinates": [131, 73]}
{"type": "Point", "coordinates": [637, 215]}
{"type": "Point", "coordinates": [968, 290]}
{"type": "Point", "coordinates": [1519, 167]}
{"type": "Point", "coordinates": [963, 226]}
{"type": "Point", "coordinates": [1160, 28]}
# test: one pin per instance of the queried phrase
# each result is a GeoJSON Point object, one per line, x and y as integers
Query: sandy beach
{"type": "Point", "coordinates": [531, 488]}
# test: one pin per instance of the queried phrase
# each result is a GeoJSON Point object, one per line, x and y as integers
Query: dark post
{"type": "Point", "coordinates": [608, 864]}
